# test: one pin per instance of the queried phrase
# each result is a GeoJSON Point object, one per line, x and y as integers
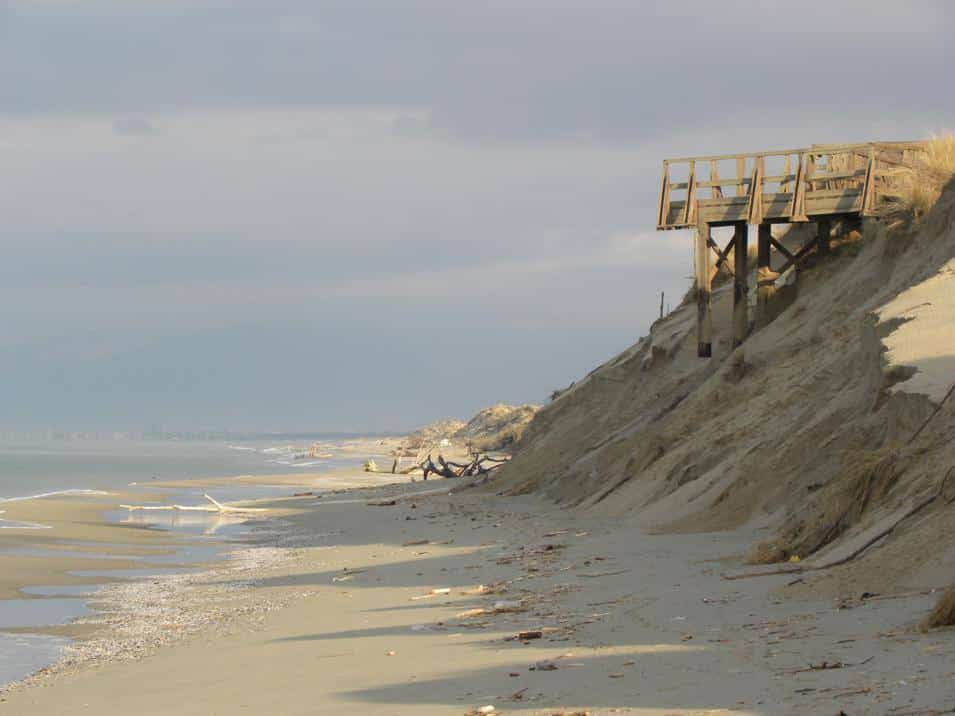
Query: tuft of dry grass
{"type": "Point", "coordinates": [866, 480]}
{"type": "Point", "coordinates": [940, 156]}
{"type": "Point", "coordinates": [923, 186]}
{"type": "Point", "coordinates": [943, 614]}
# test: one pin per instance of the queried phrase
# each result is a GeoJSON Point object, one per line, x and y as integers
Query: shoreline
{"type": "Point", "coordinates": [74, 566]}
{"type": "Point", "coordinates": [405, 598]}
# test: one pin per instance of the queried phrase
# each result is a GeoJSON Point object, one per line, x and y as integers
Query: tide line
{"type": "Point", "coordinates": [53, 494]}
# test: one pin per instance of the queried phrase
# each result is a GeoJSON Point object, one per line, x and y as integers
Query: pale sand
{"type": "Point", "coordinates": [924, 339]}
{"type": "Point", "coordinates": [634, 623]}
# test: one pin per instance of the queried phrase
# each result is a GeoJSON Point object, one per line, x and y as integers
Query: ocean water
{"type": "Point", "coordinates": [35, 467]}
{"type": "Point", "coordinates": [31, 468]}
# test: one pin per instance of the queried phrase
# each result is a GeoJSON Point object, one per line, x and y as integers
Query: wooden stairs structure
{"type": "Point", "coordinates": [819, 184]}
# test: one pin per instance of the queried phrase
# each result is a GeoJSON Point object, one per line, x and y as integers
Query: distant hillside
{"type": "Point", "coordinates": [433, 433]}
{"type": "Point", "coordinates": [498, 427]}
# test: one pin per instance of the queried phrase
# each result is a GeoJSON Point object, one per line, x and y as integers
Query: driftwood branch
{"type": "Point", "coordinates": [216, 507]}
{"type": "Point", "coordinates": [479, 465]}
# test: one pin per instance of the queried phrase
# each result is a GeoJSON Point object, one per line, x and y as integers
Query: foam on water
{"type": "Point", "coordinates": [62, 590]}
{"type": "Point", "coordinates": [54, 493]}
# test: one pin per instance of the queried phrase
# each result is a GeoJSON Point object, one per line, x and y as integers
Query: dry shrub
{"type": "Point", "coordinates": [866, 480]}
{"type": "Point", "coordinates": [923, 186]}
{"type": "Point", "coordinates": [767, 553]}
{"type": "Point", "coordinates": [944, 612]}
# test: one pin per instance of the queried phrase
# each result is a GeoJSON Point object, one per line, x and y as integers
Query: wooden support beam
{"type": "Point", "coordinates": [824, 231]}
{"type": "Point", "coordinates": [704, 318]}
{"type": "Point", "coordinates": [795, 259]}
{"type": "Point", "coordinates": [783, 250]}
{"type": "Point", "coordinates": [722, 256]}
{"type": "Point", "coordinates": [740, 288]}
{"type": "Point", "coordinates": [765, 277]}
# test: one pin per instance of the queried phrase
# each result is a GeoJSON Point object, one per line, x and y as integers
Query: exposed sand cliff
{"type": "Point", "coordinates": [814, 429]}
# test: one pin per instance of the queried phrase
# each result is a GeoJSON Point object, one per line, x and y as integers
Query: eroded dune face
{"type": "Point", "coordinates": [859, 357]}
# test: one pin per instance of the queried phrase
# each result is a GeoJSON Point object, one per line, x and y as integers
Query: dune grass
{"type": "Point", "coordinates": [867, 478]}
{"type": "Point", "coordinates": [943, 614]}
{"type": "Point", "coordinates": [923, 186]}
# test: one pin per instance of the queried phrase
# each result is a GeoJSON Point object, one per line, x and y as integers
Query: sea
{"type": "Point", "coordinates": [34, 467]}
{"type": "Point", "coordinates": [39, 467]}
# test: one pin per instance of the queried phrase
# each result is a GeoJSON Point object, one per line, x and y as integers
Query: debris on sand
{"type": "Point", "coordinates": [438, 592]}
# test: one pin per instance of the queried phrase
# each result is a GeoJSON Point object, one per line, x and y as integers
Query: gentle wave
{"type": "Point", "coordinates": [297, 463]}
{"type": "Point", "coordinates": [14, 525]}
{"type": "Point", "coordinates": [53, 494]}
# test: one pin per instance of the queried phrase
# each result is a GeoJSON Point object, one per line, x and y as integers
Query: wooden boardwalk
{"type": "Point", "coordinates": [818, 184]}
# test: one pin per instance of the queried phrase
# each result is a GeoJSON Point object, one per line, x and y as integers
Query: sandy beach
{"type": "Point", "coordinates": [406, 599]}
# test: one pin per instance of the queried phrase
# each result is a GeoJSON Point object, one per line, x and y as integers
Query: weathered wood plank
{"type": "Point", "coordinates": [690, 198]}
{"type": "Point", "coordinates": [715, 181]}
{"type": "Point", "coordinates": [833, 176]}
{"type": "Point", "coordinates": [663, 213]}
{"type": "Point", "coordinates": [754, 211]}
{"type": "Point", "coordinates": [829, 180]}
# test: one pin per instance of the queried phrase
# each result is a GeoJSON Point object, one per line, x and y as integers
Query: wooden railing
{"type": "Point", "coordinates": [788, 185]}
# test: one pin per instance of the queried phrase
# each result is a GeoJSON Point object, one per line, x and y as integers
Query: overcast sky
{"type": "Point", "coordinates": [359, 215]}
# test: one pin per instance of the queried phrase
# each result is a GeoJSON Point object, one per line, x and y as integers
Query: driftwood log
{"type": "Point", "coordinates": [479, 465]}
{"type": "Point", "coordinates": [216, 507]}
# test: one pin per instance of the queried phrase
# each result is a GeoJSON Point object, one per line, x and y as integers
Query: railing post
{"type": "Point", "coordinates": [740, 280]}
{"type": "Point", "coordinates": [664, 216]}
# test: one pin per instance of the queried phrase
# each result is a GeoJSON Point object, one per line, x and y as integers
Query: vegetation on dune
{"type": "Point", "coordinates": [944, 612]}
{"type": "Point", "coordinates": [867, 478]}
{"type": "Point", "coordinates": [924, 186]}
{"type": "Point", "coordinates": [498, 427]}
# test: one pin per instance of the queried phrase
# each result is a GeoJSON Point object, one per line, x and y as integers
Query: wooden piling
{"type": "Point", "coordinates": [740, 287]}
{"type": "Point", "coordinates": [765, 277]}
{"type": "Point", "coordinates": [824, 228]}
{"type": "Point", "coordinates": [704, 277]}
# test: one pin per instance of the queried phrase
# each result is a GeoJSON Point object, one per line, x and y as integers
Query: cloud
{"type": "Point", "coordinates": [324, 183]}
{"type": "Point", "coordinates": [134, 127]}
{"type": "Point", "coordinates": [501, 71]}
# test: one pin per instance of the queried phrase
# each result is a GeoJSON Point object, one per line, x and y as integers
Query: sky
{"type": "Point", "coordinates": [310, 215]}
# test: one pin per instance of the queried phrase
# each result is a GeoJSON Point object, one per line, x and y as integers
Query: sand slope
{"type": "Point", "coordinates": [859, 357]}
